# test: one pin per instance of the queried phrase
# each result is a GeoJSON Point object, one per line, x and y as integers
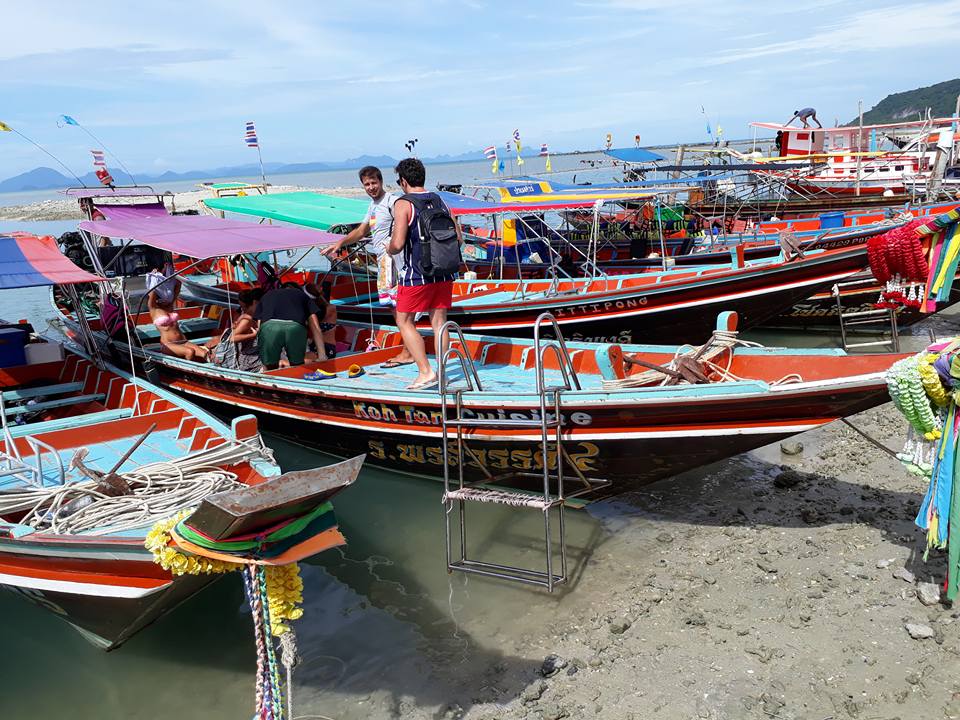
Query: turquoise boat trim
{"type": "Point", "coordinates": [69, 423]}
{"type": "Point", "coordinates": [46, 390]}
{"type": "Point", "coordinates": [54, 404]}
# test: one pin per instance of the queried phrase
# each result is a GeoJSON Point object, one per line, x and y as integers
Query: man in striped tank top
{"type": "Point", "coordinates": [418, 292]}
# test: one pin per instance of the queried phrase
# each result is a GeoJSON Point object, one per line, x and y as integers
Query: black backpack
{"type": "Point", "coordinates": [440, 249]}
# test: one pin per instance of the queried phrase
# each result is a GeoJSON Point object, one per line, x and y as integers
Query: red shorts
{"type": "Point", "coordinates": [421, 298]}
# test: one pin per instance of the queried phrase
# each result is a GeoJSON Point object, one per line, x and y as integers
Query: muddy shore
{"type": "Point", "coordinates": [767, 586]}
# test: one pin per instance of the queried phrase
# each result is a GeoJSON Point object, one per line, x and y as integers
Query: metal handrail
{"type": "Point", "coordinates": [563, 358]}
{"type": "Point", "coordinates": [466, 362]}
{"type": "Point", "coordinates": [36, 445]}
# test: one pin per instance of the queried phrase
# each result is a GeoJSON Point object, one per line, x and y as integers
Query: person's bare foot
{"type": "Point", "coordinates": [284, 363]}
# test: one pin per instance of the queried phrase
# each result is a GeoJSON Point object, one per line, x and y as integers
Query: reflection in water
{"type": "Point", "coordinates": [384, 627]}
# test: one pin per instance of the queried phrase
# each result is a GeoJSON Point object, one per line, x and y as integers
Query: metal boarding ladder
{"type": "Point", "coordinates": [490, 489]}
{"type": "Point", "coordinates": [864, 317]}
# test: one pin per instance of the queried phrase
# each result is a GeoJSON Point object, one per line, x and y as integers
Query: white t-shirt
{"type": "Point", "coordinates": [380, 218]}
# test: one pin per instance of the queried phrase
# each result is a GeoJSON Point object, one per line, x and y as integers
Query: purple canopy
{"type": "Point", "coordinates": [204, 236]}
{"type": "Point", "coordinates": [133, 212]}
{"type": "Point", "coordinates": [101, 192]}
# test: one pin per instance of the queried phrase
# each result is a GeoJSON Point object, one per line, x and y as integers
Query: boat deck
{"type": "Point", "coordinates": [159, 446]}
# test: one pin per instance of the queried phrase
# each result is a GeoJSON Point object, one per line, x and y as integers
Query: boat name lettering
{"type": "Point", "coordinates": [413, 416]}
{"type": "Point", "coordinates": [582, 454]}
{"type": "Point", "coordinates": [594, 308]}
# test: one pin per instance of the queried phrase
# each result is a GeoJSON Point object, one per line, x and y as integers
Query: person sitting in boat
{"type": "Point", "coordinates": [804, 116]}
{"type": "Point", "coordinates": [286, 316]}
{"type": "Point", "coordinates": [161, 300]}
{"type": "Point", "coordinates": [326, 317]}
{"type": "Point", "coordinates": [237, 348]}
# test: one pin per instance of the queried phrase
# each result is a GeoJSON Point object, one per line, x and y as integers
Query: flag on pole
{"type": "Point", "coordinates": [98, 160]}
{"type": "Point", "coordinates": [549, 166]}
{"type": "Point", "coordinates": [250, 137]}
{"type": "Point", "coordinates": [502, 167]}
{"type": "Point", "coordinates": [493, 168]}
{"type": "Point", "coordinates": [5, 128]}
{"type": "Point", "coordinates": [609, 140]}
{"type": "Point", "coordinates": [490, 153]}
{"type": "Point", "coordinates": [516, 135]}
{"type": "Point", "coordinates": [543, 149]}
{"type": "Point", "coordinates": [67, 120]}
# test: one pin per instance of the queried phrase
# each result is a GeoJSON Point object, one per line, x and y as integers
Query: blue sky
{"type": "Point", "coordinates": [169, 85]}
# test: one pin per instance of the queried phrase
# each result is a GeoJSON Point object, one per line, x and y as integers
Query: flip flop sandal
{"type": "Point", "coordinates": [319, 375]}
{"type": "Point", "coordinates": [355, 371]}
{"type": "Point", "coordinates": [428, 385]}
{"type": "Point", "coordinates": [390, 364]}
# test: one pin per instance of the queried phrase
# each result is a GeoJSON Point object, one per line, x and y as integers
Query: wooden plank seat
{"type": "Point", "coordinates": [67, 423]}
{"type": "Point", "coordinates": [42, 391]}
{"type": "Point", "coordinates": [53, 404]}
{"type": "Point", "coordinates": [191, 328]}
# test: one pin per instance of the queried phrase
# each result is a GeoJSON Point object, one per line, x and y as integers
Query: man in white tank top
{"type": "Point", "coordinates": [378, 224]}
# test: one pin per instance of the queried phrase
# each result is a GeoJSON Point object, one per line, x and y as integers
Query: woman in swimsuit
{"type": "Point", "coordinates": [166, 321]}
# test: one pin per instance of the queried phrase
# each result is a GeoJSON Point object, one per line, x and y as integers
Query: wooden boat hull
{"type": "Point", "coordinates": [630, 442]}
{"type": "Point", "coordinates": [669, 313]}
{"type": "Point", "coordinates": [84, 583]}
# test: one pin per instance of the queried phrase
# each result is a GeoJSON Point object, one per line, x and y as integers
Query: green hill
{"type": "Point", "coordinates": [940, 98]}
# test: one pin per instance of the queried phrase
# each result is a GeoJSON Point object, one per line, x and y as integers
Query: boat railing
{"type": "Point", "coordinates": [461, 353]}
{"type": "Point", "coordinates": [571, 381]}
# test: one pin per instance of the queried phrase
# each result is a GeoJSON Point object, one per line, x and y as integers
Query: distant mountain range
{"type": "Point", "coordinates": [941, 98]}
{"type": "Point", "coordinates": [44, 178]}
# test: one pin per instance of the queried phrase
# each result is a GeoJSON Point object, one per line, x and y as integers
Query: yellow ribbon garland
{"type": "Point", "coordinates": [284, 584]}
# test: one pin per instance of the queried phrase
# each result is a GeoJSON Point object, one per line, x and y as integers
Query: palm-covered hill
{"type": "Point", "coordinates": [940, 98]}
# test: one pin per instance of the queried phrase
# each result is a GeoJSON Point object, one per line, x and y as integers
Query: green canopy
{"type": "Point", "coordinates": [308, 209]}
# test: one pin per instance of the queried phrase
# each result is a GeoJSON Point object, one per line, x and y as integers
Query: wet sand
{"type": "Point", "coordinates": [767, 586]}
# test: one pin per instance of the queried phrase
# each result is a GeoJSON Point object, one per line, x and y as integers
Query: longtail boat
{"type": "Point", "coordinates": [91, 457]}
{"type": "Point", "coordinates": [623, 424]}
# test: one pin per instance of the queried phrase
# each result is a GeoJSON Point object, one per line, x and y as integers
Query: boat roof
{"type": "Point", "coordinates": [305, 208]}
{"type": "Point", "coordinates": [203, 236]}
{"type": "Point", "coordinates": [848, 128]}
{"type": "Point", "coordinates": [27, 260]}
{"type": "Point", "coordinates": [633, 155]}
{"type": "Point", "coordinates": [466, 205]}
{"type": "Point", "coordinates": [105, 192]}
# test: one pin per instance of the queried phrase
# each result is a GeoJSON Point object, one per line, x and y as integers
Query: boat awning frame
{"type": "Point", "coordinates": [203, 236]}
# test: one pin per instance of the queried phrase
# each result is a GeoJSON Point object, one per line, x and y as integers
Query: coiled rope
{"type": "Point", "coordinates": [159, 490]}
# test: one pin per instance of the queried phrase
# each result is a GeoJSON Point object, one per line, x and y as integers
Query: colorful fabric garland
{"type": "Point", "coordinates": [926, 388]}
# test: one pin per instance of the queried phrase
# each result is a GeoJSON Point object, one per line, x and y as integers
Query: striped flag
{"type": "Point", "coordinates": [250, 137]}
{"type": "Point", "coordinates": [543, 149]}
{"type": "Point", "coordinates": [516, 135]}
{"type": "Point", "coordinates": [98, 160]}
{"type": "Point", "coordinates": [490, 153]}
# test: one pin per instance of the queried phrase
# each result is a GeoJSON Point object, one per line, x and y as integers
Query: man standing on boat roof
{"type": "Point", "coordinates": [429, 239]}
{"type": "Point", "coordinates": [378, 223]}
{"type": "Point", "coordinates": [805, 115]}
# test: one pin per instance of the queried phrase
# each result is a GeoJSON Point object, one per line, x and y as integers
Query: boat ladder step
{"type": "Point", "coordinates": [499, 496]}
{"type": "Point", "coordinates": [472, 422]}
{"type": "Point", "coordinates": [877, 318]}
{"type": "Point", "coordinates": [458, 492]}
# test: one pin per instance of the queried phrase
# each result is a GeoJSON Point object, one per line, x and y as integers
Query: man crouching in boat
{"type": "Point", "coordinates": [378, 223]}
{"type": "Point", "coordinates": [161, 301]}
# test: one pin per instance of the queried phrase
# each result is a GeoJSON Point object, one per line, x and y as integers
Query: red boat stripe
{"type": "Point", "coordinates": [81, 583]}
